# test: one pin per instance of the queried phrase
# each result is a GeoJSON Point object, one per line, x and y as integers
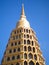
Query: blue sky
{"type": "Point", "coordinates": [37, 13]}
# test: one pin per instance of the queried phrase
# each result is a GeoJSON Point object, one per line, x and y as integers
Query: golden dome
{"type": "Point", "coordinates": [23, 21]}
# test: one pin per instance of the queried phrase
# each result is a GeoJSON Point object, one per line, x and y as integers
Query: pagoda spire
{"type": "Point", "coordinates": [23, 13]}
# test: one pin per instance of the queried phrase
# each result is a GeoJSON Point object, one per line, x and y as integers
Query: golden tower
{"type": "Point", "coordinates": [23, 47]}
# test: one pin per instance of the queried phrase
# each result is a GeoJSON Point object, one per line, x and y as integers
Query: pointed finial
{"type": "Point", "coordinates": [23, 13]}
{"type": "Point", "coordinates": [23, 10]}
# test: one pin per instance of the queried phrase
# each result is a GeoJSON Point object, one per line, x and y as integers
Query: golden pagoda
{"type": "Point", "coordinates": [23, 47]}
